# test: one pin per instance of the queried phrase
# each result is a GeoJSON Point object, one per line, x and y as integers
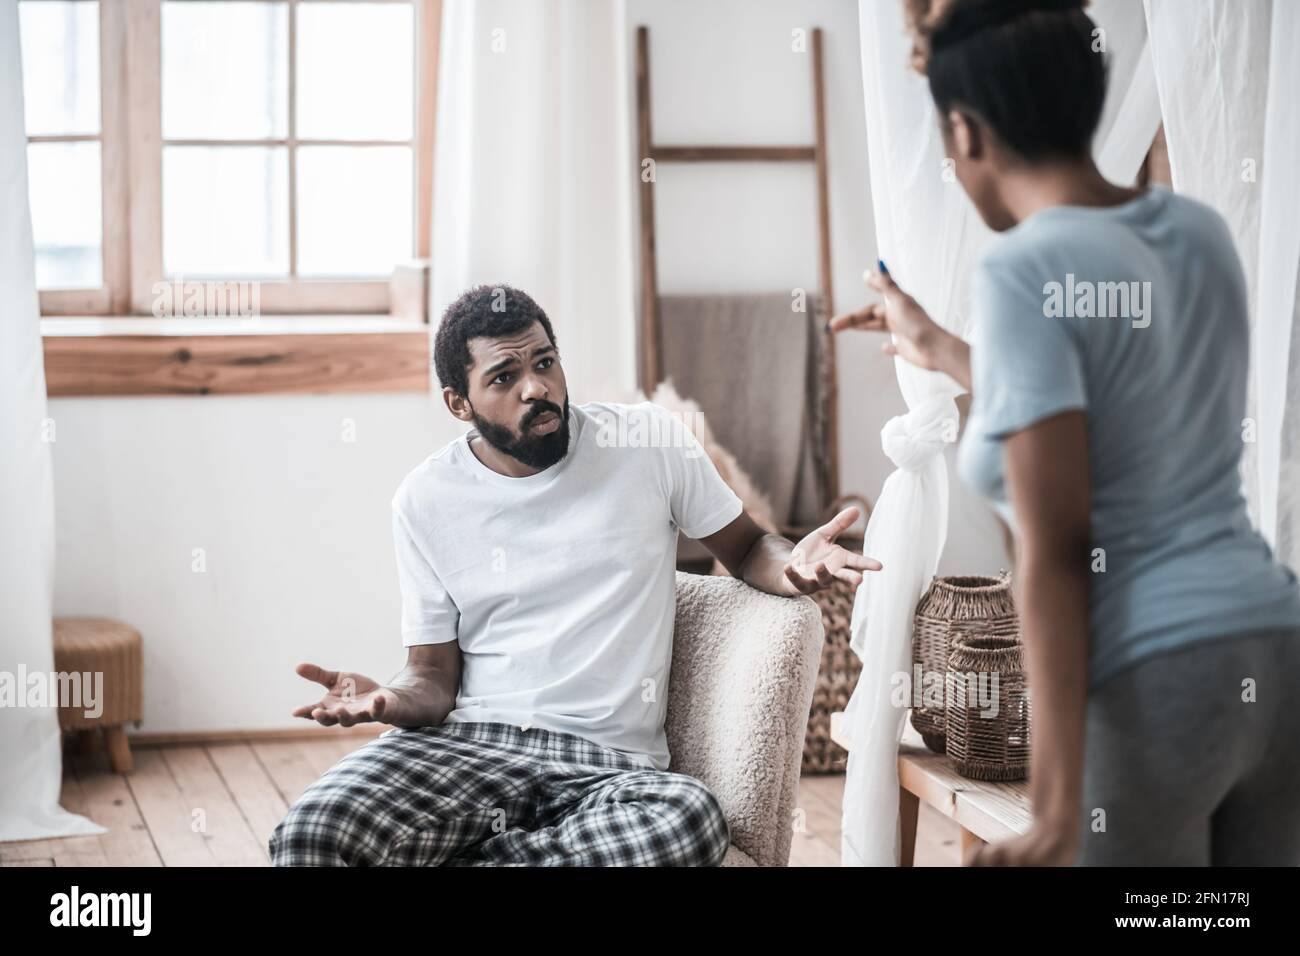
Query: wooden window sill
{"type": "Point", "coordinates": [259, 356]}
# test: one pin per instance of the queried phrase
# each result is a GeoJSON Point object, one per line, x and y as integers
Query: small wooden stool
{"type": "Point", "coordinates": [91, 645]}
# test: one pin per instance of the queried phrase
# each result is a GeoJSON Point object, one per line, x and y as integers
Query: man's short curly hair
{"type": "Point", "coordinates": [484, 311]}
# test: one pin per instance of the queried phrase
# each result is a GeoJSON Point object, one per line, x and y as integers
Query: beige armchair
{"type": "Point", "coordinates": [744, 667]}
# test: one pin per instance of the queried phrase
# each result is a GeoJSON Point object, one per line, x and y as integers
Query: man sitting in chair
{"type": "Point", "coordinates": [536, 558]}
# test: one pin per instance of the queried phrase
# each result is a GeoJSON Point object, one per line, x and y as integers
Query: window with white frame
{"type": "Point", "coordinates": [287, 142]}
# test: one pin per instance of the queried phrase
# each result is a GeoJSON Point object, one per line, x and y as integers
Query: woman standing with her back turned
{"type": "Point", "coordinates": [1164, 731]}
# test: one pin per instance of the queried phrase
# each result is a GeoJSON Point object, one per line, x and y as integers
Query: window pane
{"type": "Point", "coordinates": [64, 187]}
{"type": "Point", "coordinates": [60, 44]}
{"type": "Point", "coordinates": [356, 70]}
{"type": "Point", "coordinates": [354, 209]}
{"type": "Point", "coordinates": [225, 210]}
{"type": "Point", "coordinates": [225, 71]}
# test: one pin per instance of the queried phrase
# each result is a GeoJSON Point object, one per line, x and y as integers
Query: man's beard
{"type": "Point", "coordinates": [535, 451]}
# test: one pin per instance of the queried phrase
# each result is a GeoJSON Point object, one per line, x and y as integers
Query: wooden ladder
{"type": "Point", "coordinates": [651, 362]}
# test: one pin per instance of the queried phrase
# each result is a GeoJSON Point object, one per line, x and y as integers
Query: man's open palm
{"type": "Point", "coordinates": [349, 698]}
{"type": "Point", "coordinates": [818, 561]}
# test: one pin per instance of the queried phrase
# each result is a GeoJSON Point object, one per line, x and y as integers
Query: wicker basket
{"type": "Point", "coordinates": [951, 607]}
{"type": "Point", "coordinates": [839, 669]}
{"type": "Point", "coordinates": [988, 712]}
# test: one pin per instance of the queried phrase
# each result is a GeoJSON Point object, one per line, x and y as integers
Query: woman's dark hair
{"type": "Point", "coordinates": [486, 310]}
{"type": "Point", "coordinates": [1033, 71]}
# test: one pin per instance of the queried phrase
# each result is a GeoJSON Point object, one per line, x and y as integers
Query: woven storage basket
{"type": "Point", "coordinates": [988, 708]}
{"type": "Point", "coordinates": [839, 669]}
{"type": "Point", "coordinates": [951, 607]}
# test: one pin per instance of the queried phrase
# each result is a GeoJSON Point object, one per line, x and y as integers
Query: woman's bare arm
{"type": "Point", "coordinates": [1050, 489]}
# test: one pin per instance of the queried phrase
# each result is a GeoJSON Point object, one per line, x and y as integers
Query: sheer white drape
{"type": "Point", "coordinates": [1211, 65]}
{"type": "Point", "coordinates": [1131, 116]}
{"type": "Point", "coordinates": [31, 765]}
{"type": "Point", "coordinates": [929, 236]}
{"type": "Point", "coordinates": [927, 233]}
{"type": "Point", "coordinates": [1228, 77]}
{"type": "Point", "coordinates": [534, 176]}
{"type": "Point", "coordinates": [1276, 324]}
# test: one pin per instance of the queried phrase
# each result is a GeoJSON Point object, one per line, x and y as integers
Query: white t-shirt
{"type": "Point", "coordinates": [560, 586]}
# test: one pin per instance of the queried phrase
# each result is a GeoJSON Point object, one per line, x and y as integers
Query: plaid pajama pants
{"type": "Point", "coordinates": [485, 794]}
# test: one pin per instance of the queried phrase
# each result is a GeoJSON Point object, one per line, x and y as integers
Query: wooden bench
{"type": "Point", "coordinates": [985, 812]}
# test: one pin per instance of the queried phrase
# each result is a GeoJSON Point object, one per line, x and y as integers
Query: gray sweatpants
{"type": "Point", "coordinates": [1193, 758]}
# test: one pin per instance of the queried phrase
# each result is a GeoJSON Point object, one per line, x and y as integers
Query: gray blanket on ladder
{"type": "Point", "coordinates": [756, 367]}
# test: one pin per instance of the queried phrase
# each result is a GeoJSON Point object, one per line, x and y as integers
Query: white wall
{"type": "Point", "coordinates": [294, 521]}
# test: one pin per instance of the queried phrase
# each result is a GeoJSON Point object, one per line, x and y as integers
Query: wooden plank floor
{"type": "Point", "coordinates": [820, 798]}
{"type": "Point", "coordinates": [216, 805]}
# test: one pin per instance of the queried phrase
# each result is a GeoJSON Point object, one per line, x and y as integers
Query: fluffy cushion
{"type": "Point", "coordinates": [744, 666]}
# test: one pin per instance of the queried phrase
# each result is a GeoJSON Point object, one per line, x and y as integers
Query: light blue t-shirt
{"type": "Point", "coordinates": [1137, 315]}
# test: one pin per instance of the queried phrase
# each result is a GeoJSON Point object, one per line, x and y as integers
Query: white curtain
{"type": "Point", "coordinates": [534, 176]}
{"type": "Point", "coordinates": [31, 768]}
{"type": "Point", "coordinates": [929, 235]}
{"type": "Point", "coordinates": [1277, 354]}
{"type": "Point", "coordinates": [1131, 116]}
{"type": "Point", "coordinates": [1228, 76]}
{"type": "Point", "coordinates": [1211, 66]}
